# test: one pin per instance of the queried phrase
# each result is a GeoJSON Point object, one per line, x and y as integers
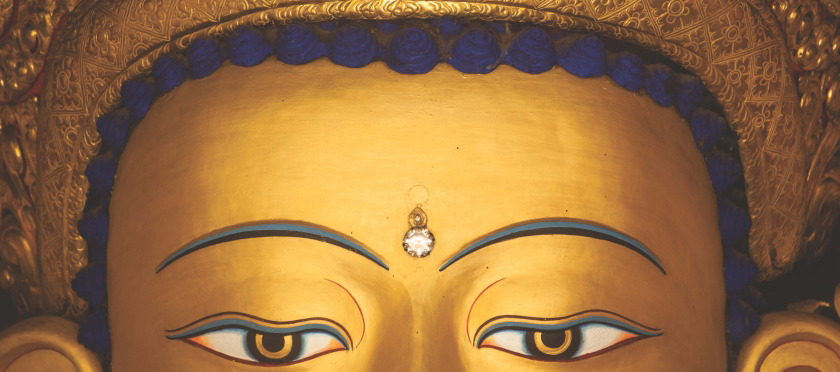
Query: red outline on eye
{"type": "Point", "coordinates": [473, 304]}
{"type": "Point", "coordinates": [248, 362]}
{"type": "Point", "coordinates": [582, 357]}
{"type": "Point", "coordinates": [362, 337]}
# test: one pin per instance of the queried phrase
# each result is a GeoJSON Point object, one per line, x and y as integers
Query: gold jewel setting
{"type": "Point", "coordinates": [738, 48]}
{"type": "Point", "coordinates": [418, 240]}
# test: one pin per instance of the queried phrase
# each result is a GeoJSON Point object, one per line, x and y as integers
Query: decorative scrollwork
{"type": "Point", "coordinates": [813, 34]}
{"type": "Point", "coordinates": [25, 47]}
{"type": "Point", "coordinates": [735, 46]}
{"type": "Point", "coordinates": [26, 29]}
{"type": "Point", "coordinates": [831, 6]}
{"type": "Point", "coordinates": [814, 41]}
{"type": "Point", "coordinates": [112, 42]}
{"type": "Point", "coordinates": [19, 270]}
{"type": "Point", "coordinates": [6, 11]}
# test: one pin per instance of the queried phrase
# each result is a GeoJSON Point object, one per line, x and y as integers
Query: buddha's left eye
{"type": "Point", "coordinates": [559, 342]}
{"type": "Point", "coordinates": [260, 345]}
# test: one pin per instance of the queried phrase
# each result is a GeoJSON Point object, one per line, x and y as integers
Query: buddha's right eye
{"type": "Point", "coordinates": [255, 344]}
{"type": "Point", "coordinates": [572, 340]}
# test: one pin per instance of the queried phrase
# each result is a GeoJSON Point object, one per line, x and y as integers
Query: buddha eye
{"type": "Point", "coordinates": [560, 342]}
{"type": "Point", "coordinates": [254, 344]}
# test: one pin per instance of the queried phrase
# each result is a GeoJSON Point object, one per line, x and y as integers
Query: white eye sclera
{"type": "Point", "coordinates": [262, 346]}
{"type": "Point", "coordinates": [554, 343]}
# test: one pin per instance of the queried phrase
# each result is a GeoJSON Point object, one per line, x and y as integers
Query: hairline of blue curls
{"type": "Point", "coordinates": [416, 47]}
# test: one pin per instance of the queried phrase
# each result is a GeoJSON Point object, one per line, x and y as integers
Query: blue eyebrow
{"type": "Point", "coordinates": [297, 230]}
{"type": "Point", "coordinates": [557, 227]}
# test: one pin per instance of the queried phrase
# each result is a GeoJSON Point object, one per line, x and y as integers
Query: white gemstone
{"type": "Point", "coordinates": [418, 242]}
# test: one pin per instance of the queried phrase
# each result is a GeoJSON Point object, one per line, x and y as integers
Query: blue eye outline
{"type": "Point", "coordinates": [312, 326]}
{"type": "Point", "coordinates": [494, 326]}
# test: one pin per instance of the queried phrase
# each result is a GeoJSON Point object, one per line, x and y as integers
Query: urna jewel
{"type": "Point", "coordinates": [418, 240]}
{"type": "Point", "coordinates": [633, 185]}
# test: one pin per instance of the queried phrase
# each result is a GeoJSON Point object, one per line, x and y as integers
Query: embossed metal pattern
{"type": "Point", "coordinates": [736, 47]}
{"type": "Point", "coordinates": [19, 270]}
{"type": "Point", "coordinates": [26, 29]}
{"type": "Point", "coordinates": [814, 43]}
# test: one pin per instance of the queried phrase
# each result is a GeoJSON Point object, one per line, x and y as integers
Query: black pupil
{"type": "Point", "coordinates": [553, 339]}
{"type": "Point", "coordinates": [273, 342]}
{"type": "Point", "coordinates": [560, 344]}
{"type": "Point", "coordinates": [285, 346]}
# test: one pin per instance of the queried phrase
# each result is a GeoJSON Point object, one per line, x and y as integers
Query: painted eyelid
{"type": "Point", "coordinates": [244, 324]}
{"type": "Point", "coordinates": [560, 326]}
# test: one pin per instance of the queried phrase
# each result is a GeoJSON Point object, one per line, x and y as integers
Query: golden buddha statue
{"type": "Point", "coordinates": [416, 185]}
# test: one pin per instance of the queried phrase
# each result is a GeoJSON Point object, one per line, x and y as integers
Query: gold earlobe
{"type": "Point", "coordinates": [45, 343]}
{"type": "Point", "coordinates": [792, 341]}
{"type": "Point", "coordinates": [837, 299]}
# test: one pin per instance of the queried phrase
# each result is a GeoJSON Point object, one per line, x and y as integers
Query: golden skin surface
{"type": "Point", "coordinates": [341, 148]}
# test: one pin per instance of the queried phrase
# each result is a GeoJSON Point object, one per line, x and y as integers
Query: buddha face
{"type": "Point", "coordinates": [258, 217]}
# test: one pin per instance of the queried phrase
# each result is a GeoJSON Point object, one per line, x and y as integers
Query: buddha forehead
{"type": "Point", "coordinates": [322, 145]}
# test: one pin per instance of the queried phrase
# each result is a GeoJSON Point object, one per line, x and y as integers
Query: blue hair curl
{"type": "Point", "coordinates": [470, 47]}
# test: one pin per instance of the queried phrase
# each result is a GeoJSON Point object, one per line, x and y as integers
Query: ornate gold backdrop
{"type": "Point", "coordinates": [773, 67]}
{"type": "Point", "coordinates": [27, 32]}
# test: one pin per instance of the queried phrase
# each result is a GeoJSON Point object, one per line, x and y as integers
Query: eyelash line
{"type": "Point", "coordinates": [482, 332]}
{"type": "Point", "coordinates": [249, 325]}
{"type": "Point", "coordinates": [255, 318]}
